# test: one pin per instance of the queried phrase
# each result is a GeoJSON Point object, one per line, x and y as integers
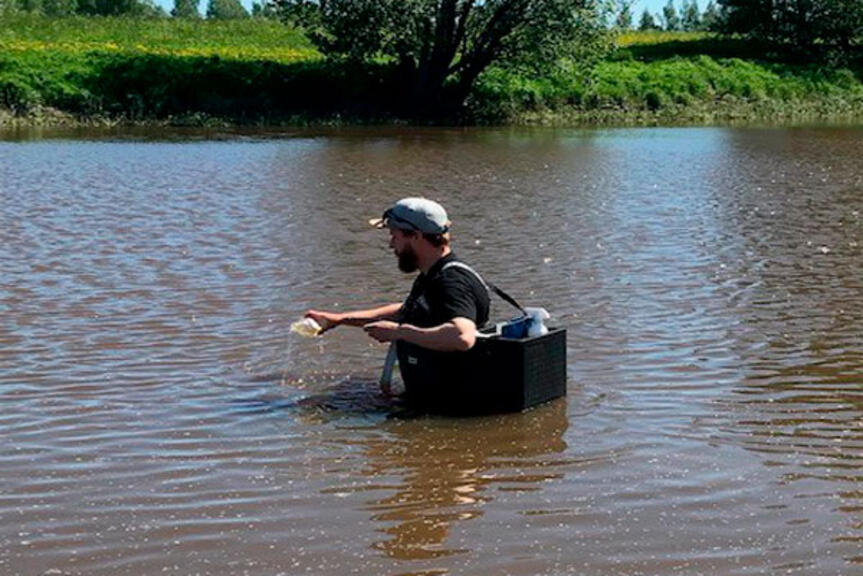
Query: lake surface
{"type": "Point", "coordinates": [159, 417]}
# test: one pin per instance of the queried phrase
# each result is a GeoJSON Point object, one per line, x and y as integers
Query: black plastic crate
{"type": "Point", "coordinates": [497, 375]}
{"type": "Point", "coordinates": [520, 373]}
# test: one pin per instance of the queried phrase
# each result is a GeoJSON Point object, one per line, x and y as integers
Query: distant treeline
{"type": "Point", "coordinates": [688, 17]}
{"type": "Point", "coordinates": [215, 9]}
{"type": "Point", "coordinates": [809, 24]}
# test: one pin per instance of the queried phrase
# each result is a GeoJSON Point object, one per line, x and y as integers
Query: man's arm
{"type": "Point", "coordinates": [457, 335]}
{"type": "Point", "coordinates": [329, 320]}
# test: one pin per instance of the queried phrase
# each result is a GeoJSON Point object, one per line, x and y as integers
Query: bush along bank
{"type": "Point", "coordinates": [115, 70]}
{"type": "Point", "coordinates": [109, 70]}
{"type": "Point", "coordinates": [696, 89]}
{"type": "Point", "coordinates": [103, 87]}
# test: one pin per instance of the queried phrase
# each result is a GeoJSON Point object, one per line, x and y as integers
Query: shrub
{"type": "Point", "coordinates": [654, 100]}
{"type": "Point", "coordinates": [17, 95]}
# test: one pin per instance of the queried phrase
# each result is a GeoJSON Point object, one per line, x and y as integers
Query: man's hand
{"type": "Point", "coordinates": [383, 330]}
{"type": "Point", "coordinates": [327, 320]}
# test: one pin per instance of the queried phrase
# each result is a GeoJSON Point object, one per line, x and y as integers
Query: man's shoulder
{"type": "Point", "coordinates": [457, 269]}
{"type": "Point", "coordinates": [458, 274]}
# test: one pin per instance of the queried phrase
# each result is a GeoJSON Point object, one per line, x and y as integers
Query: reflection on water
{"type": "Point", "coordinates": [158, 416]}
{"type": "Point", "coordinates": [449, 469]}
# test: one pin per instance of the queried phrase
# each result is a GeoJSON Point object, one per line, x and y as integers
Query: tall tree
{"type": "Point", "coordinates": [624, 16]}
{"type": "Point", "coordinates": [264, 9]}
{"type": "Point", "coordinates": [59, 7]}
{"type": "Point", "coordinates": [140, 8]}
{"type": "Point", "coordinates": [647, 22]}
{"type": "Point", "coordinates": [812, 24]}
{"type": "Point", "coordinates": [185, 9]}
{"type": "Point", "coordinates": [226, 10]}
{"type": "Point", "coordinates": [669, 15]}
{"type": "Point", "coordinates": [710, 19]}
{"type": "Point", "coordinates": [32, 6]}
{"type": "Point", "coordinates": [691, 19]}
{"type": "Point", "coordinates": [442, 46]}
{"type": "Point", "coordinates": [842, 24]}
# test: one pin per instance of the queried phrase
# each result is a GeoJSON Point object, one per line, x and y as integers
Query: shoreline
{"type": "Point", "coordinates": [761, 114]}
{"type": "Point", "coordinates": [118, 73]}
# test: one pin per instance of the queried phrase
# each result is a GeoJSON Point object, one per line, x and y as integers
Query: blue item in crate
{"type": "Point", "coordinates": [515, 328]}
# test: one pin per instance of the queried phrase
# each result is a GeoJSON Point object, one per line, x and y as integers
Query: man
{"type": "Point", "coordinates": [437, 325]}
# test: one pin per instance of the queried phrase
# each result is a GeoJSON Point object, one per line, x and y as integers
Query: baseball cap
{"type": "Point", "coordinates": [419, 214]}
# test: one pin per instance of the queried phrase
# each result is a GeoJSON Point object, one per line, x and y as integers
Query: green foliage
{"type": "Point", "coordinates": [624, 17]}
{"type": "Point", "coordinates": [32, 6]}
{"type": "Point", "coordinates": [299, 13]}
{"type": "Point", "coordinates": [647, 22]}
{"type": "Point", "coordinates": [185, 9]}
{"type": "Point", "coordinates": [691, 19]}
{"type": "Point", "coordinates": [406, 29]}
{"type": "Point", "coordinates": [17, 93]}
{"type": "Point", "coordinates": [555, 36]}
{"type": "Point", "coordinates": [133, 69]}
{"type": "Point", "coordinates": [59, 8]}
{"type": "Point", "coordinates": [264, 9]}
{"type": "Point", "coordinates": [140, 86]}
{"type": "Point", "coordinates": [660, 45]}
{"type": "Point", "coordinates": [133, 8]}
{"type": "Point", "coordinates": [235, 89]}
{"type": "Point", "coordinates": [252, 71]}
{"type": "Point", "coordinates": [226, 10]}
{"type": "Point", "coordinates": [711, 20]}
{"type": "Point", "coordinates": [670, 17]}
{"type": "Point", "coordinates": [442, 46]}
{"type": "Point", "coordinates": [78, 36]}
{"type": "Point", "coordinates": [136, 8]}
{"type": "Point", "coordinates": [810, 24]}
{"type": "Point", "coordinates": [671, 87]}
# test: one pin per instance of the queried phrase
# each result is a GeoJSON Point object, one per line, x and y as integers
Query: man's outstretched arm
{"type": "Point", "coordinates": [329, 320]}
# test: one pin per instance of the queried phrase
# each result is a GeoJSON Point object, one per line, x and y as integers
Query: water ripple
{"type": "Point", "coordinates": [158, 415]}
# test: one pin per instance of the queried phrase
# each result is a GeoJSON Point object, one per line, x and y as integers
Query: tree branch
{"type": "Point", "coordinates": [505, 19]}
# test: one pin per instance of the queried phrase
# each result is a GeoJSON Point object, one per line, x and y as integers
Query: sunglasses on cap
{"type": "Point", "coordinates": [389, 216]}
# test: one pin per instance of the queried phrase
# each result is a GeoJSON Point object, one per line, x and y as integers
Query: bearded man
{"type": "Point", "coordinates": [437, 324]}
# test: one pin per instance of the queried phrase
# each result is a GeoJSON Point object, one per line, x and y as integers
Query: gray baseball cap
{"type": "Point", "coordinates": [419, 214]}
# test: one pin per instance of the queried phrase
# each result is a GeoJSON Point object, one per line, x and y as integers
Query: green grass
{"type": "Point", "coordinates": [261, 71]}
{"type": "Point", "coordinates": [659, 45]}
{"type": "Point", "coordinates": [653, 37]}
{"type": "Point", "coordinates": [679, 88]}
{"type": "Point", "coordinates": [236, 40]}
{"type": "Point", "coordinates": [670, 77]}
{"type": "Point", "coordinates": [131, 69]}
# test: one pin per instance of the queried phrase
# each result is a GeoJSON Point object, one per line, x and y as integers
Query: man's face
{"type": "Point", "coordinates": [402, 244]}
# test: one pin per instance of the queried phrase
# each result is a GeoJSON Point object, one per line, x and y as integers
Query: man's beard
{"type": "Point", "coordinates": [408, 260]}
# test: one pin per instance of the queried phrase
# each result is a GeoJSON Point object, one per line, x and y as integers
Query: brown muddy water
{"type": "Point", "coordinates": [158, 417]}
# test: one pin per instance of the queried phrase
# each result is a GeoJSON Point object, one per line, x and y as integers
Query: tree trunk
{"type": "Point", "coordinates": [433, 69]}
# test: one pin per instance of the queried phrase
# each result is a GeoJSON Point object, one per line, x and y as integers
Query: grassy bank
{"type": "Point", "coordinates": [235, 39]}
{"type": "Point", "coordinates": [109, 69]}
{"type": "Point", "coordinates": [679, 89]}
{"type": "Point", "coordinates": [119, 70]}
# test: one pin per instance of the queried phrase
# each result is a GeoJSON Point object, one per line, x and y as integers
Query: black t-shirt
{"type": "Point", "coordinates": [441, 295]}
